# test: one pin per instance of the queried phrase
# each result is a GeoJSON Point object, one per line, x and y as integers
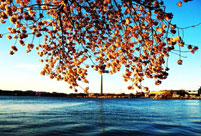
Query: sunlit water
{"type": "Point", "coordinates": [41, 116]}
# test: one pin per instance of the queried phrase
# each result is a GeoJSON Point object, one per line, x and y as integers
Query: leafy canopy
{"type": "Point", "coordinates": [105, 35]}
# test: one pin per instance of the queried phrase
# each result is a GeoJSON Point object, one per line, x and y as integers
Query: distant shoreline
{"type": "Point", "coordinates": [161, 95]}
{"type": "Point", "coordinates": [71, 95]}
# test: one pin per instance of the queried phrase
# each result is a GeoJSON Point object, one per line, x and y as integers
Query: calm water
{"type": "Point", "coordinates": [39, 116]}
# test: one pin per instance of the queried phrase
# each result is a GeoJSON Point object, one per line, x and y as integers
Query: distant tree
{"type": "Point", "coordinates": [199, 91]}
{"type": "Point", "coordinates": [102, 34]}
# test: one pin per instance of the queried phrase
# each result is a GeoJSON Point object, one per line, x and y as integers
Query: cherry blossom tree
{"type": "Point", "coordinates": [102, 34]}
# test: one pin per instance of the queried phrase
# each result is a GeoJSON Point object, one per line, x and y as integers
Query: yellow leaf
{"type": "Point", "coordinates": [127, 21]}
{"type": "Point", "coordinates": [179, 4]}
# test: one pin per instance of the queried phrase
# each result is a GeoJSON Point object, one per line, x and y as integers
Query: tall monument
{"type": "Point", "coordinates": [104, 71]}
{"type": "Point", "coordinates": [101, 88]}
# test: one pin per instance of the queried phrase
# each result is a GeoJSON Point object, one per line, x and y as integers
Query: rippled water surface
{"type": "Point", "coordinates": [41, 116]}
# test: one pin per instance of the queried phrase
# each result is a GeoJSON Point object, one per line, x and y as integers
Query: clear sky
{"type": "Point", "coordinates": [22, 71]}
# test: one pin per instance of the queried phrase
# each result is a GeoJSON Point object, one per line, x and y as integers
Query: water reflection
{"type": "Point", "coordinates": [101, 116]}
{"type": "Point", "coordinates": [67, 117]}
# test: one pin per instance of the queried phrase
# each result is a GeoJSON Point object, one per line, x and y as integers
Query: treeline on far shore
{"type": "Point", "coordinates": [71, 95]}
{"type": "Point", "coordinates": [37, 93]}
{"type": "Point", "coordinates": [164, 94]}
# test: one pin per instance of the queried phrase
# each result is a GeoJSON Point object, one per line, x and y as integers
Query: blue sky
{"type": "Point", "coordinates": [22, 71]}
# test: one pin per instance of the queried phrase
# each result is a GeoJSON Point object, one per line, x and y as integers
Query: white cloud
{"type": "Point", "coordinates": [29, 66]}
